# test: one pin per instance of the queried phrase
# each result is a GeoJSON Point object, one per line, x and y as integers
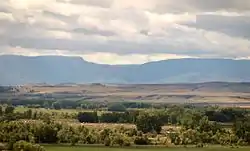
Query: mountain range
{"type": "Point", "coordinates": [16, 70]}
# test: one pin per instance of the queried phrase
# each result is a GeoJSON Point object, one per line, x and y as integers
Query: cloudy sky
{"type": "Point", "coordinates": [126, 31]}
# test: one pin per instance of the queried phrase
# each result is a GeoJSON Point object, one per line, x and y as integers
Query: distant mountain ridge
{"type": "Point", "coordinates": [15, 70]}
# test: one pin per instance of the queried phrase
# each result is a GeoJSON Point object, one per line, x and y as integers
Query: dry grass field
{"type": "Point", "coordinates": [217, 92]}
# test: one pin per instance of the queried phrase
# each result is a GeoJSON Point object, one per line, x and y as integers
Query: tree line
{"type": "Point", "coordinates": [81, 104]}
{"type": "Point", "coordinates": [174, 115]}
{"type": "Point", "coordinates": [198, 131]}
{"type": "Point", "coordinates": [197, 126]}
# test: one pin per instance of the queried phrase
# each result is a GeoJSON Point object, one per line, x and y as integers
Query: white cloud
{"type": "Point", "coordinates": [6, 16]}
{"type": "Point", "coordinates": [111, 58]}
{"type": "Point", "coordinates": [101, 58]}
{"type": "Point", "coordinates": [138, 4]}
{"type": "Point", "coordinates": [59, 34]}
{"type": "Point", "coordinates": [126, 31]}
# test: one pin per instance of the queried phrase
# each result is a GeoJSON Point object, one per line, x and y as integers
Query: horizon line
{"type": "Point", "coordinates": [84, 59]}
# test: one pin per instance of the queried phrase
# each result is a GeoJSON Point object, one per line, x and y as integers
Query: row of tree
{"type": "Point", "coordinates": [68, 104]}
{"type": "Point", "coordinates": [145, 133]}
{"type": "Point", "coordinates": [196, 128]}
{"type": "Point", "coordinates": [172, 116]}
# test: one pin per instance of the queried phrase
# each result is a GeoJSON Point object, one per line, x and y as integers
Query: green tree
{"type": "Point", "coordinates": [28, 114]}
{"type": "Point", "coordinates": [9, 110]}
{"type": "Point", "coordinates": [56, 105]}
{"type": "Point", "coordinates": [68, 134]}
{"type": "Point", "coordinates": [1, 110]}
{"type": "Point", "coordinates": [87, 117]}
{"type": "Point", "coordinates": [117, 107]}
{"type": "Point", "coordinates": [149, 122]}
{"type": "Point", "coordinates": [34, 115]}
{"type": "Point", "coordinates": [190, 120]}
{"type": "Point", "coordinates": [241, 128]}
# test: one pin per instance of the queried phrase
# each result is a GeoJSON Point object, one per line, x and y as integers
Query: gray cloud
{"type": "Point", "coordinates": [94, 32]}
{"type": "Point", "coordinates": [99, 3]}
{"type": "Point", "coordinates": [113, 46]}
{"type": "Point", "coordinates": [4, 10]}
{"type": "Point", "coordinates": [179, 6]}
{"type": "Point", "coordinates": [14, 29]}
{"type": "Point", "coordinates": [214, 5]}
{"type": "Point", "coordinates": [139, 28]}
{"type": "Point", "coordinates": [238, 26]}
{"type": "Point", "coordinates": [144, 32]}
{"type": "Point", "coordinates": [64, 18]}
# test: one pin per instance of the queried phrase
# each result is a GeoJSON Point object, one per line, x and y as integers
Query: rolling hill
{"type": "Point", "coordinates": [15, 70]}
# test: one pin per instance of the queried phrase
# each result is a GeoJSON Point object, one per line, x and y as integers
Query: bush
{"type": "Point", "coordinates": [107, 141]}
{"type": "Point", "coordinates": [199, 145]}
{"type": "Point", "coordinates": [26, 146]}
{"type": "Point", "coordinates": [91, 139]}
{"type": "Point", "coordinates": [122, 140]}
{"type": "Point", "coordinates": [165, 141]}
{"type": "Point", "coordinates": [2, 147]}
{"type": "Point", "coordinates": [126, 142]}
{"type": "Point", "coordinates": [141, 140]}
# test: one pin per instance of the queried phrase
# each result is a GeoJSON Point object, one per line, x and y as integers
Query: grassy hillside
{"type": "Point", "coordinates": [212, 92]}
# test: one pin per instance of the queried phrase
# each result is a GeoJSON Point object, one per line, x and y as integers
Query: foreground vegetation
{"type": "Point", "coordinates": [79, 148]}
{"type": "Point", "coordinates": [188, 126]}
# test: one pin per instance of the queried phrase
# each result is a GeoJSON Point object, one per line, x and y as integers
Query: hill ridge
{"type": "Point", "coordinates": [17, 69]}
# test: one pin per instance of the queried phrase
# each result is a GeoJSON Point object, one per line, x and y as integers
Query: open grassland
{"type": "Point", "coordinates": [78, 148]}
{"type": "Point", "coordinates": [169, 93]}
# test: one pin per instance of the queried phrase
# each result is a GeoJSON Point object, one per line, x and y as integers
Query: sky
{"type": "Point", "coordinates": [126, 31]}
